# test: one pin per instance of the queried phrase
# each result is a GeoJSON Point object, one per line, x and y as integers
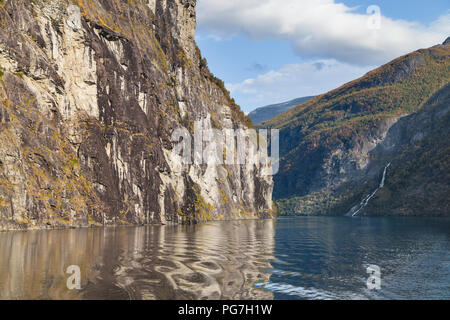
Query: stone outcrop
{"type": "Point", "coordinates": [91, 91]}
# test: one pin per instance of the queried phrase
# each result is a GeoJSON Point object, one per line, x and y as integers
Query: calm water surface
{"type": "Point", "coordinates": [298, 258]}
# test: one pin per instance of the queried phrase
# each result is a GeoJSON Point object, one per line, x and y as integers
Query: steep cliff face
{"type": "Point", "coordinates": [328, 145]}
{"type": "Point", "coordinates": [91, 92]}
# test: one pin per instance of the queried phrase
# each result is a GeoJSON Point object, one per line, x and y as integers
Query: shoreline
{"type": "Point", "coordinates": [177, 224]}
{"type": "Point", "coordinates": [168, 224]}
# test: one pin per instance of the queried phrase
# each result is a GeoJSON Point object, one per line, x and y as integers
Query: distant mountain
{"type": "Point", "coordinates": [335, 148]}
{"type": "Point", "coordinates": [268, 112]}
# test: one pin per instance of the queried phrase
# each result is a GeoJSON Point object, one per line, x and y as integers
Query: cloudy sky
{"type": "Point", "coordinates": [270, 51]}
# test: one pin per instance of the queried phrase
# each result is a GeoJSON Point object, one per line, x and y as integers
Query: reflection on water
{"type": "Point", "coordinates": [299, 258]}
{"type": "Point", "coordinates": [214, 261]}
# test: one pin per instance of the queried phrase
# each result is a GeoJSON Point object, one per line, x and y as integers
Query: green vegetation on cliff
{"type": "Point", "coordinates": [236, 110]}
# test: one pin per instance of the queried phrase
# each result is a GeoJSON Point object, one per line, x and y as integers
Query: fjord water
{"type": "Point", "coordinates": [291, 258]}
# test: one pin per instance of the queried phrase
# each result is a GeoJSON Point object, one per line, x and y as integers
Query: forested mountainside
{"type": "Point", "coordinates": [330, 146]}
{"type": "Point", "coordinates": [265, 113]}
{"type": "Point", "coordinates": [418, 147]}
{"type": "Point", "coordinates": [91, 91]}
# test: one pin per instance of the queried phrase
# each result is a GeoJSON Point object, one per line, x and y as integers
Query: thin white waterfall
{"type": "Point", "coordinates": [357, 209]}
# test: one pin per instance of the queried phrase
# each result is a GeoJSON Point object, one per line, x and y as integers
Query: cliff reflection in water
{"type": "Point", "coordinates": [214, 260]}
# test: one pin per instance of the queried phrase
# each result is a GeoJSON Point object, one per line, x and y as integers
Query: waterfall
{"type": "Point", "coordinates": [357, 209]}
{"type": "Point", "coordinates": [384, 176]}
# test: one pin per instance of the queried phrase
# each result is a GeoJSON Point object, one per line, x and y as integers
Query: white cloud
{"type": "Point", "coordinates": [320, 28]}
{"type": "Point", "coordinates": [295, 80]}
{"type": "Point", "coordinates": [441, 25]}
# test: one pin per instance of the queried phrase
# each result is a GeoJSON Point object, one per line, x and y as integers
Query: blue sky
{"type": "Point", "coordinates": [270, 51]}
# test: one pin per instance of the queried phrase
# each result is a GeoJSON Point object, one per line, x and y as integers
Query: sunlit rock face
{"type": "Point", "coordinates": [91, 92]}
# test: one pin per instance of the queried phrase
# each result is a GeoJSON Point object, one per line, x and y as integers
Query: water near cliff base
{"type": "Point", "coordinates": [292, 258]}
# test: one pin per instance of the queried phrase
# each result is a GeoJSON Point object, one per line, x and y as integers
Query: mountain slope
{"type": "Point", "coordinates": [326, 143]}
{"type": "Point", "coordinates": [418, 181]}
{"type": "Point", "coordinates": [91, 92]}
{"type": "Point", "coordinates": [265, 113]}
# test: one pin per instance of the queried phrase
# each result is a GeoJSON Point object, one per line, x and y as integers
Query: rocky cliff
{"type": "Point", "coordinates": [91, 92]}
{"type": "Point", "coordinates": [330, 146]}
